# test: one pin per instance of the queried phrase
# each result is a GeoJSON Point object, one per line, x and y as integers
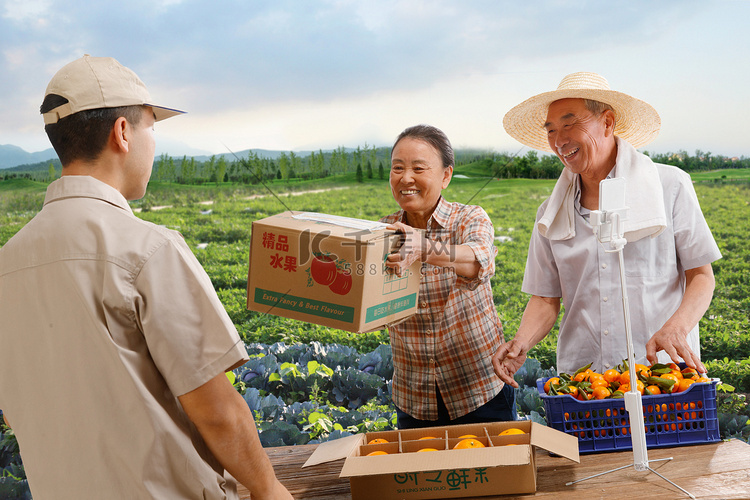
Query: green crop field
{"type": "Point", "coordinates": [216, 222]}
{"type": "Point", "coordinates": [733, 174]}
{"type": "Point", "coordinates": [224, 236]}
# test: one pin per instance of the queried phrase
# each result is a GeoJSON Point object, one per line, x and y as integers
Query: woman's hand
{"type": "Point", "coordinates": [413, 248]}
{"type": "Point", "coordinates": [508, 359]}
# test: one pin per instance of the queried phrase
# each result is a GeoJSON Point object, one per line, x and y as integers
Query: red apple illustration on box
{"type": "Point", "coordinates": [327, 270]}
{"type": "Point", "coordinates": [323, 269]}
{"type": "Point", "coordinates": [343, 282]}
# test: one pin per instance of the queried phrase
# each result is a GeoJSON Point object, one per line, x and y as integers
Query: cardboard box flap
{"type": "Point", "coordinates": [555, 441]}
{"type": "Point", "coordinates": [349, 222]}
{"type": "Point", "coordinates": [436, 460]}
{"type": "Point", "coordinates": [333, 226]}
{"type": "Point", "coordinates": [337, 449]}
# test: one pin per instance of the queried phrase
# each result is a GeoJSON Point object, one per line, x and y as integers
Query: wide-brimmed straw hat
{"type": "Point", "coordinates": [99, 82]}
{"type": "Point", "coordinates": [636, 121]}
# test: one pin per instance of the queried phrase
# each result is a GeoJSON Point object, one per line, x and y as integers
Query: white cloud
{"type": "Point", "coordinates": [22, 10]}
{"type": "Point", "coordinates": [342, 72]}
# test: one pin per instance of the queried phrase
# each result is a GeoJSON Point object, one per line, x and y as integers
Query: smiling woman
{"type": "Point", "coordinates": [442, 374]}
{"type": "Point", "coordinates": [418, 175]}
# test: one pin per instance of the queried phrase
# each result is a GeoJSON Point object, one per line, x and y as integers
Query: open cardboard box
{"type": "Point", "coordinates": [328, 270]}
{"type": "Point", "coordinates": [504, 466]}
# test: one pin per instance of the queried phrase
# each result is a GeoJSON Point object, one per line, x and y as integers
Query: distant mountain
{"type": "Point", "coordinates": [11, 156]}
{"type": "Point", "coordinates": [262, 153]}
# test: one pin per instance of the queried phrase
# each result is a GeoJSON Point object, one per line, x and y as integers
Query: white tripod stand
{"type": "Point", "coordinates": [609, 227]}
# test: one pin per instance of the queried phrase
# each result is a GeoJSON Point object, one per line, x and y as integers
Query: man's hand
{"type": "Point", "coordinates": [674, 343]}
{"type": "Point", "coordinates": [227, 426]}
{"type": "Point", "coordinates": [672, 337]}
{"type": "Point", "coordinates": [508, 359]}
{"type": "Point", "coordinates": [279, 493]}
{"type": "Point", "coordinates": [538, 318]}
{"type": "Point", "coordinates": [412, 249]}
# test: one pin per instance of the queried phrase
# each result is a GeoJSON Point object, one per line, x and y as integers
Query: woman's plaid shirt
{"type": "Point", "coordinates": [451, 338]}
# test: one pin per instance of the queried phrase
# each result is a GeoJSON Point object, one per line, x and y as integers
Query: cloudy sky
{"type": "Point", "coordinates": [309, 74]}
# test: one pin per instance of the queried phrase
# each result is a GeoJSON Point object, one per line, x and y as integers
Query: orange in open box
{"type": "Point", "coordinates": [496, 469]}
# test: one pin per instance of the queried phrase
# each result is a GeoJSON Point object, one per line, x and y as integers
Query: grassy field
{"type": "Point", "coordinates": [733, 174]}
{"type": "Point", "coordinates": [221, 240]}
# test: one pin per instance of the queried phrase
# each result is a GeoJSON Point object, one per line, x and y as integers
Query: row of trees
{"type": "Point", "coordinates": [532, 166]}
{"type": "Point", "coordinates": [529, 166]}
{"type": "Point", "coordinates": [701, 161]}
{"type": "Point", "coordinates": [366, 163]}
{"type": "Point", "coordinates": [255, 168]}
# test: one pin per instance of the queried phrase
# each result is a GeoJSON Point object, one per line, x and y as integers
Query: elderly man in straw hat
{"type": "Point", "coordinates": [594, 131]}
{"type": "Point", "coordinates": [113, 343]}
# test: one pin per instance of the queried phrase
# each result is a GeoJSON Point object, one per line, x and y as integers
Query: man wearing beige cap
{"type": "Point", "coordinates": [594, 131]}
{"type": "Point", "coordinates": [113, 343]}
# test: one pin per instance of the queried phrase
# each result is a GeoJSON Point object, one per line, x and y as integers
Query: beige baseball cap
{"type": "Point", "coordinates": [99, 82]}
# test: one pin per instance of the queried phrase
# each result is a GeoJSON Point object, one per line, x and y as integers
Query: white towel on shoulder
{"type": "Point", "coordinates": [643, 195]}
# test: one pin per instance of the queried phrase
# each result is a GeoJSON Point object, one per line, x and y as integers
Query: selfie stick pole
{"type": "Point", "coordinates": [609, 227]}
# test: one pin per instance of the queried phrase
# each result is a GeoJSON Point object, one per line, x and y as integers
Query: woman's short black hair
{"type": "Point", "coordinates": [434, 137]}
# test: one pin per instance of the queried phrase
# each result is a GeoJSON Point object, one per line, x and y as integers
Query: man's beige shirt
{"type": "Point", "coordinates": [104, 320]}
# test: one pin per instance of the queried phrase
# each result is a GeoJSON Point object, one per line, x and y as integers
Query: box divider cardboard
{"type": "Point", "coordinates": [482, 439]}
{"type": "Point", "coordinates": [512, 439]}
{"type": "Point", "coordinates": [390, 436]}
{"type": "Point", "coordinates": [489, 439]}
{"type": "Point", "coordinates": [414, 446]}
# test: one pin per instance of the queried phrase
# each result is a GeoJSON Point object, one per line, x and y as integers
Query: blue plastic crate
{"type": "Point", "coordinates": [684, 418]}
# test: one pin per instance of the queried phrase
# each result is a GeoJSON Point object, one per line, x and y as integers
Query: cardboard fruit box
{"type": "Point", "coordinates": [328, 270]}
{"type": "Point", "coordinates": [505, 464]}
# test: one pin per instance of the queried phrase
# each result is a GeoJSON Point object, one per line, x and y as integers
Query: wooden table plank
{"type": "Point", "coordinates": [711, 471]}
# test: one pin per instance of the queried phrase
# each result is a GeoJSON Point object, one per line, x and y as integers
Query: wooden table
{"type": "Point", "coordinates": [711, 471]}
